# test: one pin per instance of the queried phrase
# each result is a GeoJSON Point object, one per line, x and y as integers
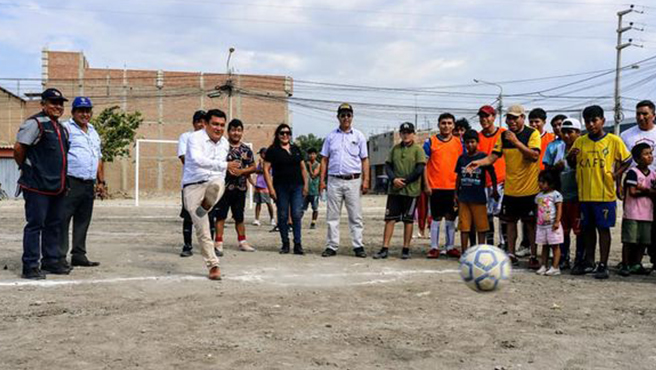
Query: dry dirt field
{"type": "Point", "coordinates": [147, 308]}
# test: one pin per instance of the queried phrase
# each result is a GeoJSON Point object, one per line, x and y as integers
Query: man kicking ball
{"type": "Point", "coordinates": [203, 181]}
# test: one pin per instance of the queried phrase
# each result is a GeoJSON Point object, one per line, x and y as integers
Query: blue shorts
{"type": "Point", "coordinates": [598, 214]}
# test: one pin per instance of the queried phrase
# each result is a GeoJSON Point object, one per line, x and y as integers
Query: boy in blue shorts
{"type": "Point", "coordinates": [600, 158]}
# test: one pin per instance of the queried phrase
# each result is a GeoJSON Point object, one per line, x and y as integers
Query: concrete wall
{"type": "Point", "coordinates": [12, 113]}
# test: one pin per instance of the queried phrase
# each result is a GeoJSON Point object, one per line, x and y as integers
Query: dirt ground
{"type": "Point", "coordinates": [147, 308]}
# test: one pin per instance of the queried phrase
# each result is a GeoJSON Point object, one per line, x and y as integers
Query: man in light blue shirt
{"type": "Point", "coordinates": [84, 174]}
{"type": "Point", "coordinates": [345, 166]}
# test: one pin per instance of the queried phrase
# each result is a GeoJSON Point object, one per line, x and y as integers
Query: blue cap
{"type": "Point", "coordinates": [82, 102]}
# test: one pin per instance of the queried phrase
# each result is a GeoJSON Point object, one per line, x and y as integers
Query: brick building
{"type": "Point", "coordinates": [166, 100]}
{"type": "Point", "coordinates": [379, 147]}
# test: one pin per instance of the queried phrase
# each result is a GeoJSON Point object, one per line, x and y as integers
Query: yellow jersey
{"type": "Point", "coordinates": [521, 173]}
{"type": "Point", "coordinates": [595, 165]}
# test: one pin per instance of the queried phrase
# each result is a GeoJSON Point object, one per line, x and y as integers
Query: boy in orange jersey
{"type": "Point", "coordinates": [537, 118]}
{"type": "Point", "coordinates": [442, 151]}
{"type": "Point", "coordinates": [487, 138]}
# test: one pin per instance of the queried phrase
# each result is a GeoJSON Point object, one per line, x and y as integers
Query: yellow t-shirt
{"type": "Point", "coordinates": [521, 174]}
{"type": "Point", "coordinates": [595, 164]}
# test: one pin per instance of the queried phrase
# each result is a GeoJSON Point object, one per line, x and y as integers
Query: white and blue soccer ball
{"type": "Point", "coordinates": [485, 268]}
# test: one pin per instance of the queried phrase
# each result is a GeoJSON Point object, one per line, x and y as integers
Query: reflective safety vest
{"type": "Point", "coordinates": [44, 169]}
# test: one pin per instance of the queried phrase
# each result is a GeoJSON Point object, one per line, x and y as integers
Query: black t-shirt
{"type": "Point", "coordinates": [286, 165]}
{"type": "Point", "coordinates": [472, 185]}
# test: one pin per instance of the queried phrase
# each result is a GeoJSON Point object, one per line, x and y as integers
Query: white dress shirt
{"type": "Point", "coordinates": [182, 143]}
{"type": "Point", "coordinates": [205, 160]}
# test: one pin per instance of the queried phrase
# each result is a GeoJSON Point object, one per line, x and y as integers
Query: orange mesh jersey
{"type": "Point", "coordinates": [442, 158]}
{"type": "Point", "coordinates": [546, 138]}
{"type": "Point", "coordinates": [486, 144]}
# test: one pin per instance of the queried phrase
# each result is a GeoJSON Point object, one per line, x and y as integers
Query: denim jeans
{"type": "Point", "coordinates": [43, 214]}
{"type": "Point", "coordinates": [289, 195]}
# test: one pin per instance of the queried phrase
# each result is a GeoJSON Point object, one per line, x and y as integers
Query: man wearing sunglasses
{"type": "Point", "coordinates": [40, 152]}
{"type": "Point", "coordinates": [345, 167]}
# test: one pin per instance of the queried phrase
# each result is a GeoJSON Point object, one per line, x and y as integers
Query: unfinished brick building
{"type": "Point", "coordinates": [167, 101]}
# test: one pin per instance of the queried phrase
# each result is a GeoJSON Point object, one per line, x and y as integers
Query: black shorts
{"type": "Point", "coordinates": [518, 208]}
{"type": "Point", "coordinates": [443, 204]}
{"type": "Point", "coordinates": [400, 208]}
{"type": "Point", "coordinates": [233, 200]}
{"type": "Point", "coordinates": [183, 213]}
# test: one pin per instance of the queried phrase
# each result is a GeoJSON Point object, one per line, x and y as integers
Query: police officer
{"type": "Point", "coordinates": [40, 152]}
{"type": "Point", "coordinates": [84, 174]}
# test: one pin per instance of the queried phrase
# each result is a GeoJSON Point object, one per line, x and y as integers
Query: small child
{"type": "Point", "coordinates": [470, 192]}
{"type": "Point", "coordinates": [638, 211]}
{"type": "Point", "coordinates": [549, 232]}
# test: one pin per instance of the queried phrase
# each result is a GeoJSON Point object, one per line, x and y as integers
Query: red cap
{"type": "Point", "coordinates": [487, 110]}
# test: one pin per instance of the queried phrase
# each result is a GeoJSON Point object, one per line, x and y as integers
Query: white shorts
{"type": "Point", "coordinates": [493, 206]}
{"type": "Point", "coordinates": [545, 235]}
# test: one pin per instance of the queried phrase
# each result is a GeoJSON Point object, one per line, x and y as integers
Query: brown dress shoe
{"type": "Point", "coordinates": [215, 273]}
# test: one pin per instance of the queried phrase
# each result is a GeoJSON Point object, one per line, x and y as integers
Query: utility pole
{"type": "Point", "coordinates": [619, 115]}
{"type": "Point", "coordinates": [500, 98]}
{"type": "Point", "coordinates": [416, 112]}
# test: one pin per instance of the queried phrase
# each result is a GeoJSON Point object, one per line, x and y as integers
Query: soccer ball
{"type": "Point", "coordinates": [484, 268]}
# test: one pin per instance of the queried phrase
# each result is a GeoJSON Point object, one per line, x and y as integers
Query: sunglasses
{"type": "Point", "coordinates": [284, 133]}
{"type": "Point", "coordinates": [345, 115]}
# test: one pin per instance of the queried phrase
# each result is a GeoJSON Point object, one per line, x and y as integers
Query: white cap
{"type": "Point", "coordinates": [572, 123]}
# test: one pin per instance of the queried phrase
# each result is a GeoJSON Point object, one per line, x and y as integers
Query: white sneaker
{"type": "Point", "coordinates": [256, 223]}
{"type": "Point", "coordinates": [523, 252]}
{"type": "Point", "coordinates": [553, 271]}
{"type": "Point", "coordinates": [245, 247]}
{"type": "Point", "coordinates": [542, 271]}
{"type": "Point", "coordinates": [218, 248]}
{"type": "Point", "coordinates": [273, 222]}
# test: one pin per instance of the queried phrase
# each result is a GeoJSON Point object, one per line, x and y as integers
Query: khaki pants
{"type": "Point", "coordinates": [344, 192]}
{"type": "Point", "coordinates": [193, 197]}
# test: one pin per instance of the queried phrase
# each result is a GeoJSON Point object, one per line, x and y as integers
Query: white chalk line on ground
{"type": "Point", "coordinates": [275, 279]}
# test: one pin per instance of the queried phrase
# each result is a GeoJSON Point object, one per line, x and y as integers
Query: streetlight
{"type": "Point", "coordinates": [500, 106]}
{"type": "Point", "coordinates": [229, 82]}
{"type": "Point", "coordinates": [230, 51]}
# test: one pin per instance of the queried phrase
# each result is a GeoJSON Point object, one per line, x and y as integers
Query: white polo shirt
{"type": "Point", "coordinates": [205, 160]}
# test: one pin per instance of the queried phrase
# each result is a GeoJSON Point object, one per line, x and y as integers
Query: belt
{"type": "Point", "coordinates": [347, 177]}
{"type": "Point", "coordinates": [194, 183]}
{"type": "Point", "coordinates": [82, 180]}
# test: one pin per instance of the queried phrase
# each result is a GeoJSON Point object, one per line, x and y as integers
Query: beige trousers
{"type": "Point", "coordinates": [193, 197]}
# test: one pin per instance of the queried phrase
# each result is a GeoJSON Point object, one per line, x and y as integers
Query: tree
{"type": "Point", "coordinates": [117, 130]}
{"type": "Point", "coordinates": [310, 141]}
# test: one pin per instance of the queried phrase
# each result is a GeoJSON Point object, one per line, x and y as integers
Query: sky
{"type": "Point", "coordinates": [395, 61]}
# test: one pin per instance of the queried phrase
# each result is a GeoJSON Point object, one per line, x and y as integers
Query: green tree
{"type": "Point", "coordinates": [117, 130]}
{"type": "Point", "coordinates": [306, 142]}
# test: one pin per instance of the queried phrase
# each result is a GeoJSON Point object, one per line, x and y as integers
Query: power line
{"type": "Point", "coordinates": [315, 24]}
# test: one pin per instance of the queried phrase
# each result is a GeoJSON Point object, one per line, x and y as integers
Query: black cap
{"type": "Point", "coordinates": [199, 115]}
{"type": "Point", "coordinates": [407, 127]}
{"type": "Point", "coordinates": [345, 107]}
{"type": "Point", "coordinates": [52, 94]}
